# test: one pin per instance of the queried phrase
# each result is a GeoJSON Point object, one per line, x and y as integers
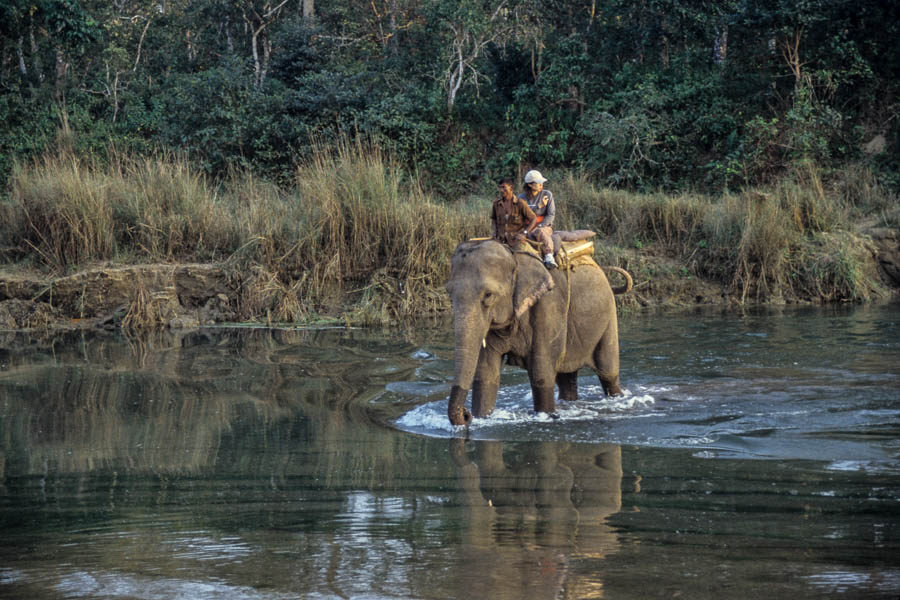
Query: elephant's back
{"type": "Point", "coordinates": [590, 310]}
{"type": "Point", "coordinates": [588, 285]}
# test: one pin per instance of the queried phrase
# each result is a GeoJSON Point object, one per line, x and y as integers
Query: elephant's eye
{"type": "Point", "coordinates": [489, 298]}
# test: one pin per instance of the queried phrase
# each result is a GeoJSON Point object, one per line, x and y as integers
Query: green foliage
{"type": "Point", "coordinates": [649, 95]}
{"type": "Point", "coordinates": [27, 127]}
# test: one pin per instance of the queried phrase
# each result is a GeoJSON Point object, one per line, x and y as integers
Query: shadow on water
{"type": "Point", "coordinates": [255, 463]}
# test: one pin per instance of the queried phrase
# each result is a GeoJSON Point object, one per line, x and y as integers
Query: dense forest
{"type": "Point", "coordinates": [650, 94]}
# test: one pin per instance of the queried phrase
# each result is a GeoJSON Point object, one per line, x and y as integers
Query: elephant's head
{"type": "Point", "coordinates": [490, 287]}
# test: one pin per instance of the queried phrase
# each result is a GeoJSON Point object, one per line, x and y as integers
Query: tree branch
{"type": "Point", "coordinates": [137, 58]}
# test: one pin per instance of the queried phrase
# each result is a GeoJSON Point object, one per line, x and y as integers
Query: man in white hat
{"type": "Point", "coordinates": [540, 201]}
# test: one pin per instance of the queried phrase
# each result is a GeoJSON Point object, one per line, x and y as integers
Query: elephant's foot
{"type": "Point", "coordinates": [456, 408]}
{"type": "Point", "coordinates": [568, 386]}
{"type": "Point", "coordinates": [484, 397]}
{"type": "Point", "coordinates": [611, 386]}
{"type": "Point", "coordinates": [543, 399]}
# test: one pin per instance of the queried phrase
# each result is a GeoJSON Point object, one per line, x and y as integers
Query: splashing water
{"type": "Point", "coordinates": [514, 415]}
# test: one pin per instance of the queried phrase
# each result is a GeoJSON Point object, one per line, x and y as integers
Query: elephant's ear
{"type": "Point", "coordinates": [532, 281]}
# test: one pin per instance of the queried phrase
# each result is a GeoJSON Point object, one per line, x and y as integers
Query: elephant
{"type": "Point", "coordinates": [552, 323]}
{"type": "Point", "coordinates": [528, 504]}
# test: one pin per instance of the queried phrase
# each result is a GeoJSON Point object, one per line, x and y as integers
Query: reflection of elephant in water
{"type": "Point", "coordinates": [550, 322]}
{"type": "Point", "coordinates": [536, 515]}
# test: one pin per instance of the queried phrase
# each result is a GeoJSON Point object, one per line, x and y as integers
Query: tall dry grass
{"type": "Point", "coordinates": [355, 234]}
{"type": "Point", "coordinates": [794, 240]}
{"type": "Point", "coordinates": [632, 219]}
{"type": "Point", "coordinates": [352, 227]}
{"type": "Point", "coordinates": [70, 210]}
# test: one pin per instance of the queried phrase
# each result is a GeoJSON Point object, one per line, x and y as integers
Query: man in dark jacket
{"type": "Point", "coordinates": [511, 218]}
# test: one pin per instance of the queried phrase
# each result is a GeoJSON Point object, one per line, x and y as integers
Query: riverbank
{"type": "Point", "coordinates": [141, 242]}
{"type": "Point", "coordinates": [195, 295]}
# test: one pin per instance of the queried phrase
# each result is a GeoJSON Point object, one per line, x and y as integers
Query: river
{"type": "Point", "coordinates": [755, 454]}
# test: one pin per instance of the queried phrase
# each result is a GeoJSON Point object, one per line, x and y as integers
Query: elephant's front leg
{"type": "Point", "coordinates": [542, 372]}
{"type": "Point", "coordinates": [486, 383]}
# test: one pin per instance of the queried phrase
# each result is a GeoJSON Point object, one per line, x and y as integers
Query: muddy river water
{"type": "Point", "coordinates": [755, 454]}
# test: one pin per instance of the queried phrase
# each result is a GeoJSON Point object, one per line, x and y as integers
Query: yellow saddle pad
{"type": "Point", "coordinates": [568, 256]}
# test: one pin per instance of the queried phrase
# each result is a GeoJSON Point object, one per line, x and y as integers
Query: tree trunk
{"type": "Point", "coordinates": [61, 68]}
{"type": "Point", "coordinates": [720, 44]}
{"type": "Point", "coordinates": [267, 52]}
{"type": "Point", "coordinates": [664, 40]}
{"type": "Point", "coordinates": [35, 55]}
{"type": "Point", "coordinates": [190, 46]}
{"type": "Point", "coordinates": [137, 58]}
{"type": "Point", "coordinates": [456, 77]}
{"type": "Point", "coordinates": [260, 62]}
{"type": "Point", "coordinates": [309, 9]}
{"type": "Point", "coordinates": [257, 21]}
{"type": "Point", "coordinates": [23, 69]}
{"type": "Point", "coordinates": [115, 96]}
{"type": "Point", "coordinates": [664, 51]}
{"type": "Point", "coordinates": [392, 27]}
{"type": "Point", "coordinates": [254, 46]}
{"type": "Point", "coordinates": [229, 41]}
{"type": "Point", "coordinates": [791, 53]}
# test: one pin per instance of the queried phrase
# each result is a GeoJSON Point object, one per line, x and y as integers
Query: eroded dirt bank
{"type": "Point", "coordinates": [194, 295]}
{"type": "Point", "coordinates": [176, 296]}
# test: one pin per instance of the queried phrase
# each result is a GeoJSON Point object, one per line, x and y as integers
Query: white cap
{"type": "Point", "coordinates": [534, 176]}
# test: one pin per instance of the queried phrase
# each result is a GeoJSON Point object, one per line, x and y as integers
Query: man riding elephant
{"type": "Point", "coordinates": [541, 202]}
{"type": "Point", "coordinates": [511, 218]}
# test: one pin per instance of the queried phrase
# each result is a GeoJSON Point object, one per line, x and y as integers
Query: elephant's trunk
{"type": "Point", "coordinates": [629, 282]}
{"type": "Point", "coordinates": [468, 341]}
{"type": "Point", "coordinates": [456, 408]}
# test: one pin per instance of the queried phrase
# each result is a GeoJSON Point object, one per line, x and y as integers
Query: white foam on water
{"type": "Point", "coordinates": [427, 417]}
{"type": "Point", "coordinates": [515, 407]}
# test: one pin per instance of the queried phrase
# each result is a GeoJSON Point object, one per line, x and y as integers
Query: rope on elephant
{"type": "Point", "coordinates": [569, 254]}
{"type": "Point", "coordinates": [568, 305]}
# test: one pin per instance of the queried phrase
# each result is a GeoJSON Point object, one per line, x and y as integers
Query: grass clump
{"type": "Point", "coordinates": [71, 211]}
{"type": "Point", "coordinates": [790, 242]}
{"type": "Point", "coordinates": [352, 228]}
{"type": "Point", "coordinates": [833, 267]}
{"type": "Point", "coordinates": [632, 219]}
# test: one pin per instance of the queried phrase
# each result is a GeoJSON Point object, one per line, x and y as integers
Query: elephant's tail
{"type": "Point", "coordinates": [629, 282]}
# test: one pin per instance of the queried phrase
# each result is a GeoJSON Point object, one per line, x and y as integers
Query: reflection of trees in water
{"type": "Point", "coordinates": [531, 510]}
{"type": "Point", "coordinates": [258, 449]}
{"type": "Point", "coordinates": [265, 439]}
{"type": "Point", "coordinates": [181, 404]}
